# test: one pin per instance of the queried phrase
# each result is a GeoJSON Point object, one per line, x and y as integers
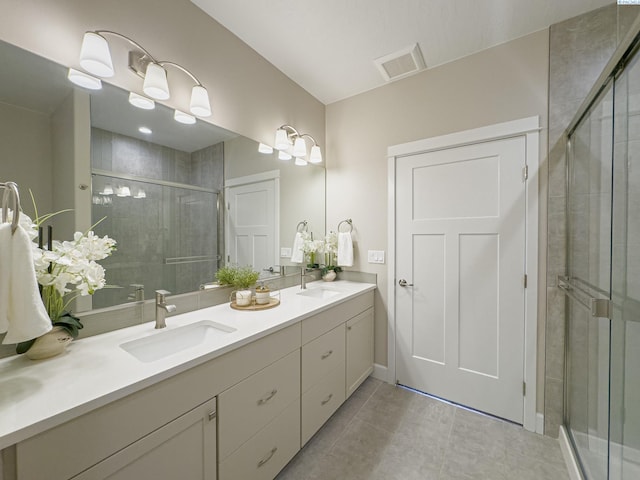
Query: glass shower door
{"type": "Point", "coordinates": [625, 279]}
{"type": "Point", "coordinates": [588, 269]}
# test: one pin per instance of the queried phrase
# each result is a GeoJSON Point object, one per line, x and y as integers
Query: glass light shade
{"type": "Point", "coordinates": [83, 80]}
{"type": "Point", "coordinates": [108, 190]}
{"type": "Point", "coordinates": [141, 102]}
{"type": "Point", "coordinates": [262, 148]}
{"type": "Point", "coordinates": [301, 162]}
{"type": "Point", "coordinates": [284, 155]}
{"type": "Point", "coordinates": [316, 155]}
{"type": "Point", "coordinates": [200, 101]}
{"type": "Point", "coordinates": [123, 192]}
{"type": "Point", "coordinates": [145, 130]}
{"type": "Point", "coordinates": [140, 194]}
{"type": "Point", "coordinates": [299, 147]}
{"type": "Point", "coordinates": [95, 56]}
{"type": "Point", "coordinates": [155, 82]}
{"type": "Point", "coordinates": [185, 118]}
{"type": "Point", "coordinates": [282, 139]}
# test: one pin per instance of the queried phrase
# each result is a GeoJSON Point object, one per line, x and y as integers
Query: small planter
{"type": "Point", "coordinates": [243, 298]}
{"type": "Point", "coordinates": [330, 276]}
{"type": "Point", "coordinates": [50, 344]}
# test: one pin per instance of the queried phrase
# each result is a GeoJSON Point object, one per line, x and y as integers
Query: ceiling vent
{"type": "Point", "coordinates": [401, 64]}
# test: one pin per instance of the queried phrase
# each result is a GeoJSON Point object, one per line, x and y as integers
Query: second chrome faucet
{"type": "Point", "coordinates": [162, 308]}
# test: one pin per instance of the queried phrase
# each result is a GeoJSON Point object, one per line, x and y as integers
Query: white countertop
{"type": "Point", "coordinates": [38, 395]}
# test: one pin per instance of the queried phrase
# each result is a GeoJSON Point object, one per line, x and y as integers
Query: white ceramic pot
{"type": "Point", "coordinates": [243, 298]}
{"type": "Point", "coordinates": [50, 344]}
{"type": "Point", "coordinates": [262, 298]}
{"type": "Point", "coordinates": [330, 276]}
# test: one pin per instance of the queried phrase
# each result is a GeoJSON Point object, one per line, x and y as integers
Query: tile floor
{"type": "Point", "coordinates": [387, 432]}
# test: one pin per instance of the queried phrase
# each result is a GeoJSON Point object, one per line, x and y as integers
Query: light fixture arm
{"type": "Point", "coordinates": [292, 132]}
{"type": "Point", "coordinates": [124, 37]}
{"type": "Point", "coordinates": [310, 137]}
{"type": "Point", "coordinates": [180, 67]}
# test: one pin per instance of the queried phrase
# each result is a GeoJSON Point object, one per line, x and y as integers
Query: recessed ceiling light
{"type": "Point", "coordinates": [145, 130]}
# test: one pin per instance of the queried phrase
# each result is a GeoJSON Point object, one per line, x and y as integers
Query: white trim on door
{"type": "Point", "coordinates": [529, 128]}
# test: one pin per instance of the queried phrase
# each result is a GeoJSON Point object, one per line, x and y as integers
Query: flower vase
{"type": "Point", "coordinates": [50, 344]}
{"type": "Point", "coordinates": [330, 276]}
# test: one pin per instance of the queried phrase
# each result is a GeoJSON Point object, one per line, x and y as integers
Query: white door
{"type": "Point", "coordinates": [460, 238]}
{"type": "Point", "coordinates": [251, 224]}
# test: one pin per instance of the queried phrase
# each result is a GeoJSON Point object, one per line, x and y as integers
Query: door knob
{"type": "Point", "coordinates": [403, 283]}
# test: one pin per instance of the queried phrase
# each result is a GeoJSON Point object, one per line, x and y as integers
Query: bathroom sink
{"type": "Point", "coordinates": [175, 340]}
{"type": "Point", "coordinates": [319, 292]}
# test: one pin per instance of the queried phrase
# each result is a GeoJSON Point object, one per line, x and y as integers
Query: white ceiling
{"type": "Point", "coordinates": [328, 46]}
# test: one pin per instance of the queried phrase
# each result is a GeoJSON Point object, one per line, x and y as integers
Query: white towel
{"type": "Point", "coordinates": [345, 249]}
{"type": "Point", "coordinates": [297, 253]}
{"type": "Point", "coordinates": [5, 268]}
{"type": "Point", "coordinates": [25, 313]}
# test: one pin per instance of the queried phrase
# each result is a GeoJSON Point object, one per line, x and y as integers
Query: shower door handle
{"type": "Point", "coordinates": [599, 307]}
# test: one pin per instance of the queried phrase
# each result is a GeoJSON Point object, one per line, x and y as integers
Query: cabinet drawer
{"type": "Point", "coordinates": [319, 403]}
{"type": "Point", "coordinates": [267, 452]}
{"type": "Point", "coordinates": [321, 356]}
{"type": "Point", "coordinates": [315, 326]}
{"type": "Point", "coordinates": [253, 403]}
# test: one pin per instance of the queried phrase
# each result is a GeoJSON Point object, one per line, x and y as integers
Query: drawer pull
{"type": "Point", "coordinates": [267, 397]}
{"type": "Point", "coordinates": [268, 457]}
{"type": "Point", "coordinates": [212, 415]}
{"type": "Point", "coordinates": [326, 355]}
{"type": "Point", "coordinates": [327, 400]}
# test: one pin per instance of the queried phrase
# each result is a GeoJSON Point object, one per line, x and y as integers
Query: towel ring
{"type": "Point", "coordinates": [11, 195]}
{"type": "Point", "coordinates": [347, 221]}
{"type": "Point", "coordinates": [305, 226]}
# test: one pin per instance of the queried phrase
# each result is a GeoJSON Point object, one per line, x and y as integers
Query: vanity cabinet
{"type": "Point", "coordinates": [359, 350]}
{"type": "Point", "coordinates": [184, 448]}
{"type": "Point", "coordinates": [337, 356]}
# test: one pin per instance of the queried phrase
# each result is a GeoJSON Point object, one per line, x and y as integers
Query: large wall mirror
{"type": "Point", "coordinates": [180, 201]}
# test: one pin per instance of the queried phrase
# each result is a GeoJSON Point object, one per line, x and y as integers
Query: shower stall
{"type": "Point", "coordinates": [602, 282]}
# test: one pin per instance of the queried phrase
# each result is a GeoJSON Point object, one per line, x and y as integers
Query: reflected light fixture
{"type": "Point", "coordinates": [185, 118]}
{"type": "Point", "coordinates": [140, 194]}
{"type": "Point", "coordinates": [141, 102]}
{"type": "Point", "coordinates": [95, 58]}
{"type": "Point", "coordinates": [145, 130]}
{"type": "Point", "coordinates": [123, 191]}
{"type": "Point", "coordinates": [263, 148]}
{"type": "Point", "coordinates": [83, 80]}
{"type": "Point", "coordinates": [290, 142]}
{"type": "Point", "coordinates": [107, 190]}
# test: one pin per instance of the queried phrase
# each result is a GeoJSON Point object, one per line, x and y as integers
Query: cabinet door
{"type": "Point", "coordinates": [184, 448]}
{"type": "Point", "coordinates": [359, 350]}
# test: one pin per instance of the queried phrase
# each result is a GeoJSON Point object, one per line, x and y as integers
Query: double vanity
{"type": "Point", "coordinates": [219, 393]}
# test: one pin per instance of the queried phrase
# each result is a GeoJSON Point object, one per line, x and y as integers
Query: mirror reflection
{"type": "Point", "coordinates": [181, 200]}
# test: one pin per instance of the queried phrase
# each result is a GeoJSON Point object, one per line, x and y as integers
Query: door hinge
{"type": "Point", "coordinates": [525, 172]}
{"type": "Point", "coordinates": [228, 205]}
{"type": "Point", "coordinates": [526, 280]}
{"type": "Point", "coordinates": [524, 389]}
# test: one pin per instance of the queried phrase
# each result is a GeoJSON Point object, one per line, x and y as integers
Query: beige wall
{"type": "Point", "coordinates": [25, 152]}
{"type": "Point", "coordinates": [248, 95]}
{"type": "Point", "coordinates": [503, 83]}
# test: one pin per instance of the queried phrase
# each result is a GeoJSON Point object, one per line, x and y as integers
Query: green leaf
{"type": "Point", "coordinates": [70, 323]}
{"type": "Point", "coordinates": [22, 347]}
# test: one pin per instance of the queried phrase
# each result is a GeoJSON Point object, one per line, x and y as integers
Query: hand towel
{"type": "Point", "coordinates": [5, 267]}
{"type": "Point", "coordinates": [345, 249]}
{"type": "Point", "coordinates": [26, 315]}
{"type": "Point", "coordinates": [297, 253]}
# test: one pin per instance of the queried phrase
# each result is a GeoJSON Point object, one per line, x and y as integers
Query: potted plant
{"type": "Point", "coordinates": [64, 270]}
{"type": "Point", "coordinates": [330, 247]}
{"type": "Point", "coordinates": [241, 278]}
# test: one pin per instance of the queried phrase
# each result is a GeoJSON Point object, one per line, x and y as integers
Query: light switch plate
{"type": "Point", "coordinates": [285, 252]}
{"type": "Point", "coordinates": [375, 256]}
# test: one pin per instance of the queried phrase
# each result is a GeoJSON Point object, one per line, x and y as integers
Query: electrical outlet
{"type": "Point", "coordinates": [375, 256]}
{"type": "Point", "coordinates": [285, 252]}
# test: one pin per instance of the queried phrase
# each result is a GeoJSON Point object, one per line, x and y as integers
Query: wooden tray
{"type": "Point", "coordinates": [273, 302]}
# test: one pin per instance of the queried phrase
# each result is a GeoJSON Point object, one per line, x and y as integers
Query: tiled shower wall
{"type": "Point", "coordinates": [168, 223]}
{"type": "Point", "coordinates": [579, 49]}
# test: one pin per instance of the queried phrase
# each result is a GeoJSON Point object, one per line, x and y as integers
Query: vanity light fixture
{"type": "Point", "coordinates": [185, 118]}
{"type": "Point", "coordinates": [292, 143]}
{"type": "Point", "coordinates": [83, 80]}
{"type": "Point", "coordinates": [141, 102]}
{"type": "Point", "coordinates": [95, 58]}
{"type": "Point", "coordinates": [107, 190]}
{"type": "Point", "coordinates": [263, 148]}
{"type": "Point", "coordinates": [301, 162]}
{"type": "Point", "coordinates": [123, 191]}
{"type": "Point", "coordinates": [145, 130]}
{"type": "Point", "coordinates": [140, 194]}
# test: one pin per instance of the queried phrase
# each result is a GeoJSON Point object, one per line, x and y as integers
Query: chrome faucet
{"type": "Point", "coordinates": [303, 276]}
{"type": "Point", "coordinates": [162, 308]}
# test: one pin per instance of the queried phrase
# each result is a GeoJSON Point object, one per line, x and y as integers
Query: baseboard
{"type": "Point", "coordinates": [540, 423]}
{"type": "Point", "coordinates": [569, 458]}
{"type": "Point", "coordinates": [380, 372]}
